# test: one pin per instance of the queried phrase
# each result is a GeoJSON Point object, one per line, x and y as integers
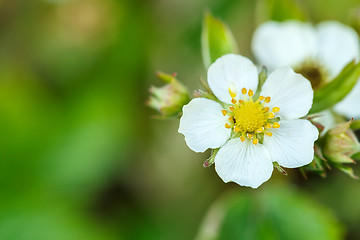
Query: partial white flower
{"type": "Point", "coordinates": [318, 52]}
{"type": "Point", "coordinates": [251, 132]}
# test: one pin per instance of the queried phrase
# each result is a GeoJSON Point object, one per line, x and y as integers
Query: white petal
{"type": "Point", "coordinates": [282, 44]}
{"type": "Point", "coordinates": [350, 106]}
{"type": "Point", "coordinates": [228, 70]}
{"type": "Point", "coordinates": [289, 91]}
{"type": "Point", "coordinates": [292, 145]}
{"type": "Point", "coordinates": [203, 125]}
{"type": "Point", "coordinates": [244, 163]}
{"type": "Point", "coordinates": [338, 44]}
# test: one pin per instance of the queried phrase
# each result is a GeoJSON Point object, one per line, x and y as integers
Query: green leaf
{"type": "Point", "coordinates": [280, 212]}
{"type": "Point", "coordinates": [279, 10]}
{"type": "Point", "coordinates": [216, 40]}
{"type": "Point", "coordinates": [330, 94]}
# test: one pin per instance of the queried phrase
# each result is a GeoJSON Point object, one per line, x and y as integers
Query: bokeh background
{"type": "Point", "coordinates": [81, 156]}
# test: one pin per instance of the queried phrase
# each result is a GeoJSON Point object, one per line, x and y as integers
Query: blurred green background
{"type": "Point", "coordinates": [82, 158]}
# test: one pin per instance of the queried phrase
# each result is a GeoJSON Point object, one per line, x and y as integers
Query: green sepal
{"type": "Point", "coordinates": [210, 161]}
{"type": "Point", "coordinates": [202, 94]}
{"type": "Point", "coordinates": [279, 168]}
{"type": "Point", "coordinates": [355, 125]}
{"type": "Point", "coordinates": [356, 156]}
{"type": "Point", "coordinates": [262, 79]}
{"type": "Point", "coordinates": [333, 92]}
{"type": "Point", "coordinates": [346, 169]}
{"type": "Point", "coordinates": [216, 40]}
{"type": "Point", "coordinates": [165, 78]}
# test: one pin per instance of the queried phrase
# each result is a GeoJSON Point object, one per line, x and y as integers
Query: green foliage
{"type": "Point", "coordinates": [273, 213]}
{"type": "Point", "coordinates": [330, 94]}
{"type": "Point", "coordinates": [279, 10]}
{"type": "Point", "coordinates": [216, 39]}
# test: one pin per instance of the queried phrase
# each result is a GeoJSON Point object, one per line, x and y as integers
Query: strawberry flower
{"type": "Point", "coordinates": [252, 130]}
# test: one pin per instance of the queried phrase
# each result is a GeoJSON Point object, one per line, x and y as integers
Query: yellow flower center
{"type": "Point", "coordinates": [251, 118]}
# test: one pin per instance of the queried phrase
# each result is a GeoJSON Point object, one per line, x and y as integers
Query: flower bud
{"type": "Point", "coordinates": [169, 99]}
{"type": "Point", "coordinates": [341, 143]}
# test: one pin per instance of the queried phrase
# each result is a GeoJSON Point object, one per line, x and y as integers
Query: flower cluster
{"type": "Point", "coordinates": [254, 122]}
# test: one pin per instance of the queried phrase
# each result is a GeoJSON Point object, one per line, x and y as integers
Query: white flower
{"type": "Point", "coordinates": [251, 132]}
{"type": "Point", "coordinates": [319, 53]}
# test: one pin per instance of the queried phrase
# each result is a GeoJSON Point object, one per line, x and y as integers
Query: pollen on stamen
{"type": "Point", "coordinates": [261, 98]}
{"type": "Point", "coordinates": [271, 115]}
{"type": "Point", "coordinates": [260, 130]}
{"type": "Point", "coordinates": [275, 109]}
{"type": "Point", "coordinates": [276, 125]}
{"type": "Point", "coordinates": [243, 91]}
{"type": "Point", "coordinates": [266, 109]}
{"type": "Point", "coordinates": [249, 135]}
{"type": "Point", "coordinates": [233, 101]}
{"type": "Point", "coordinates": [269, 134]}
{"type": "Point", "coordinates": [250, 93]}
{"type": "Point", "coordinates": [224, 112]}
{"type": "Point", "coordinates": [232, 94]}
{"type": "Point", "coordinates": [255, 141]}
{"type": "Point", "coordinates": [242, 138]}
{"type": "Point", "coordinates": [241, 101]}
{"type": "Point", "coordinates": [267, 99]}
{"type": "Point", "coordinates": [236, 129]}
{"type": "Point", "coordinates": [227, 125]}
{"type": "Point", "coordinates": [268, 126]}
{"type": "Point", "coordinates": [231, 109]}
{"type": "Point", "coordinates": [231, 119]}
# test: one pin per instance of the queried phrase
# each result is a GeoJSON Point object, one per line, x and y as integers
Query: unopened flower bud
{"type": "Point", "coordinates": [169, 99]}
{"type": "Point", "coordinates": [341, 143]}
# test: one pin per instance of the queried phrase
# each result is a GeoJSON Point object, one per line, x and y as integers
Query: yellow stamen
{"type": "Point", "coordinates": [260, 130]}
{"type": "Point", "coordinates": [275, 109]}
{"type": "Point", "coordinates": [232, 94]}
{"type": "Point", "coordinates": [269, 134]}
{"type": "Point", "coordinates": [276, 125]}
{"type": "Point", "coordinates": [250, 116]}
